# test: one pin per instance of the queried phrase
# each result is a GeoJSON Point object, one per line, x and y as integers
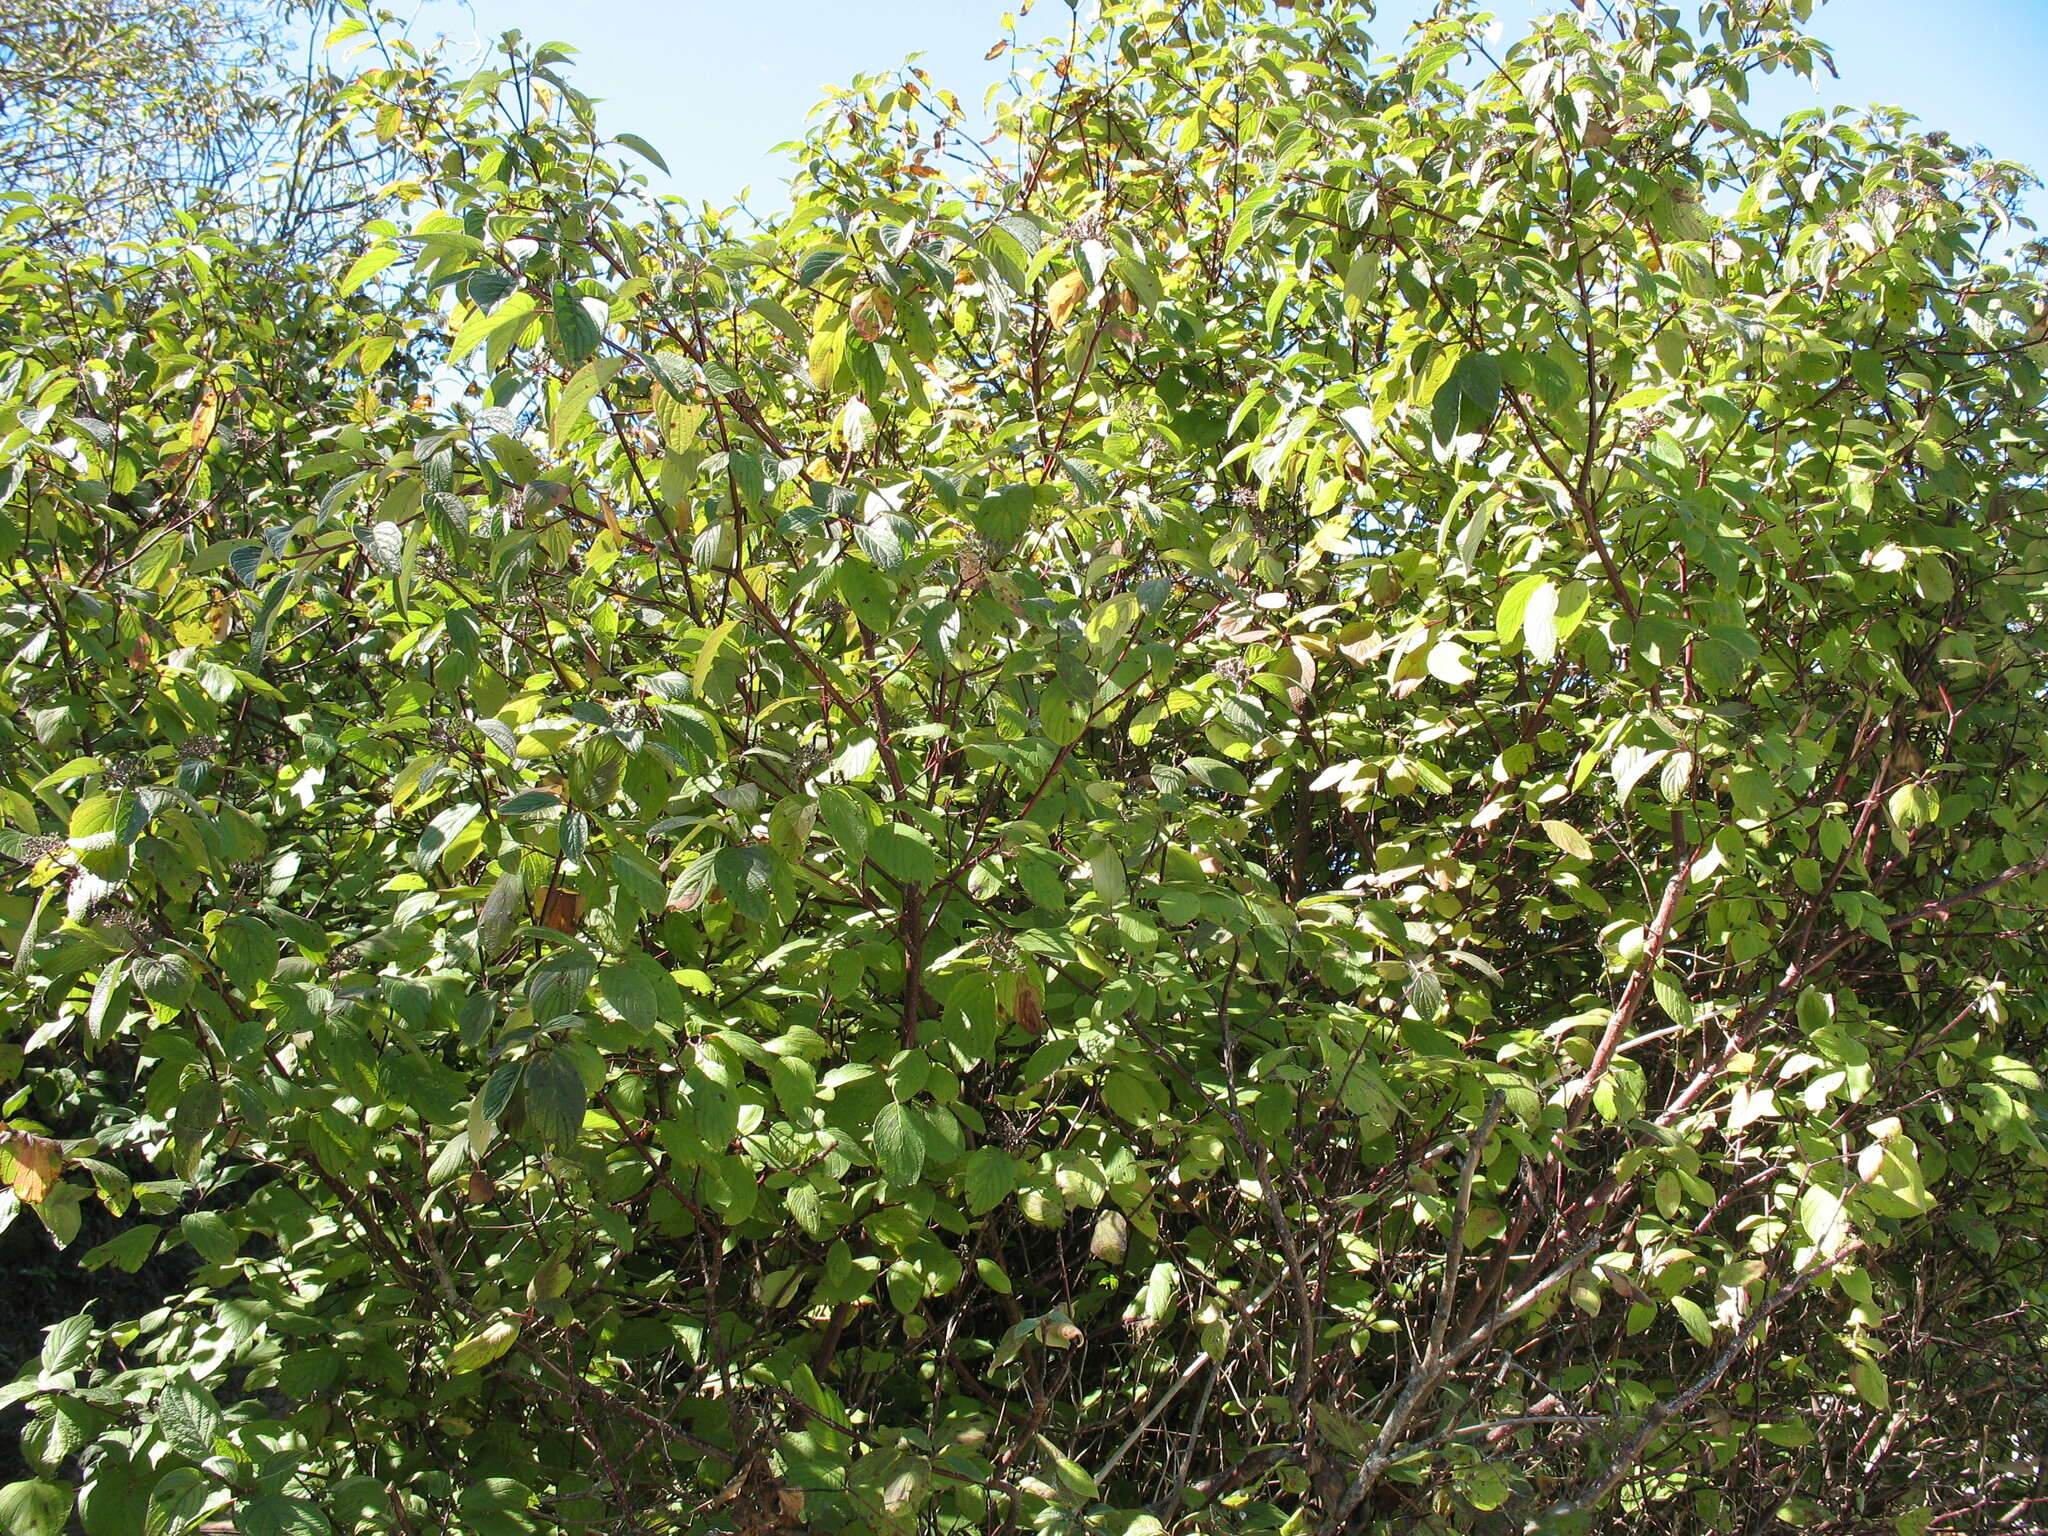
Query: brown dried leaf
{"type": "Point", "coordinates": [562, 911]}
{"type": "Point", "coordinates": [1021, 1005]}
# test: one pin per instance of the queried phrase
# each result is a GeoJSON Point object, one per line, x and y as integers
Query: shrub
{"type": "Point", "coordinates": [1311, 796]}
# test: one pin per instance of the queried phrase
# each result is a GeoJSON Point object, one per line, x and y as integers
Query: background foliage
{"type": "Point", "coordinates": [1308, 797]}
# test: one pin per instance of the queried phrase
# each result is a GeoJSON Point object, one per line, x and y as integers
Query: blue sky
{"type": "Point", "coordinates": [715, 86]}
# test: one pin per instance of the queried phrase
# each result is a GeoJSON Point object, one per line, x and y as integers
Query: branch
{"type": "Point", "coordinates": [1590, 1497]}
{"type": "Point", "coordinates": [1384, 1451]}
{"type": "Point", "coordinates": [1187, 1374]}
{"type": "Point", "coordinates": [1638, 987]}
{"type": "Point", "coordinates": [1455, 1256]}
{"type": "Point", "coordinates": [1945, 907]}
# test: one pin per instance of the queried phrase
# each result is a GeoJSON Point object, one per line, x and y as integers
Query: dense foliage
{"type": "Point", "coordinates": [1310, 797]}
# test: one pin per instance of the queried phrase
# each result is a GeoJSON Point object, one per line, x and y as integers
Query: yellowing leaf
{"type": "Point", "coordinates": [33, 1164]}
{"type": "Point", "coordinates": [1913, 805]}
{"type": "Point", "coordinates": [482, 1347]}
{"type": "Point", "coordinates": [1065, 297]}
{"type": "Point", "coordinates": [828, 347]}
{"type": "Point", "coordinates": [1893, 1168]}
{"type": "Point", "coordinates": [1823, 1219]}
{"type": "Point", "coordinates": [1569, 838]}
{"type": "Point", "coordinates": [205, 416]}
{"type": "Point", "coordinates": [1486, 1486]}
{"type": "Point", "coordinates": [872, 314]}
{"type": "Point", "coordinates": [1111, 1237]}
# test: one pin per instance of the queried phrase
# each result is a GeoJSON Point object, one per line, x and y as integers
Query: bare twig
{"type": "Point", "coordinates": [1593, 1493]}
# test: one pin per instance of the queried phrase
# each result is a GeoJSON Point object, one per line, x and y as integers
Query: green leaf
{"type": "Point", "coordinates": [501, 912]}
{"type": "Point", "coordinates": [642, 148]}
{"type": "Point", "coordinates": [903, 853]}
{"type": "Point", "coordinates": [849, 818]}
{"type": "Point", "coordinates": [553, 1093]}
{"type": "Point", "coordinates": [1911, 806]}
{"type": "Point", "coordinates": [246, 950]}
{"type": "Point", "coordinates": [1815, 1009]}
{"type": "Point", "coordinates": [577, 394]}
{"type": "Point", "coordinates": [127, 1252]}
{"type": "Point", "coordinates": [25, 946]}
{"type": "Point", "coordinates": [36, 1507]}
{"type": "Point", "coordinates": [1070, 1474]}
{"type": "Point", "coordinates": [707, 655]}
{"type": "Point", "coordinates": [1468, 399]}
{"type": "Point", "coordinates": [994, 1277]}
{"type": "Point", "coordinates": [94, 820]}
{"type": "Point", "coordinates": [103, 1014]}
{"type": "Point", "coordinates": [67, 1345]}
{"type": "Point", "coordinates": [188, 1418]}
{"type": "Point", "coordinates": [576, 332]}
{"type": "Point", "coordinates": [442, 832]}
{"type": "Point", "coordinates": [1514, 607]}
{"type": "Point", "coordinates": [1671, 998]}
{"type": "Point", "coordinates": [1695, 1318]}
{"type": "Point", "coordinates": [881, 540]}
{"type": "Point", "coordinates": [1004, 514]}
{"type": "Point", "coordinates": [899, 1143]}
{"type": "Point", "coordinates": [529, 801]}
{"type": "Point", "coordinates": [496, 1094]}
{"type": "Point", "coordinates": [989, 1179]}
{"type": "Point", "coordinates": [1111, 621]}
{"type": "Point", "coordinates": [745, 874]}
{"type": "Point", "coordinates": [1485, 1487]}
{"type": "Point", "coordinates": [1628, 766]}
{"type": "Point", "coordinates": [210, 1236]}
{"type": "Point", "coordinates": [1574, 603]}
{"type": "Point", "coordinates": [1106, 874]}
{"type": "Point", "coordinates": [484, 324]}
{"type": "Point", "coordinates": [1867, 1380]}
{"type": "Point", "coordinates": [276, 1514]}
{"type": "Point", "coordinates": [631, 992]}
{"type": "Point", "coordinates": [367, 266]}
